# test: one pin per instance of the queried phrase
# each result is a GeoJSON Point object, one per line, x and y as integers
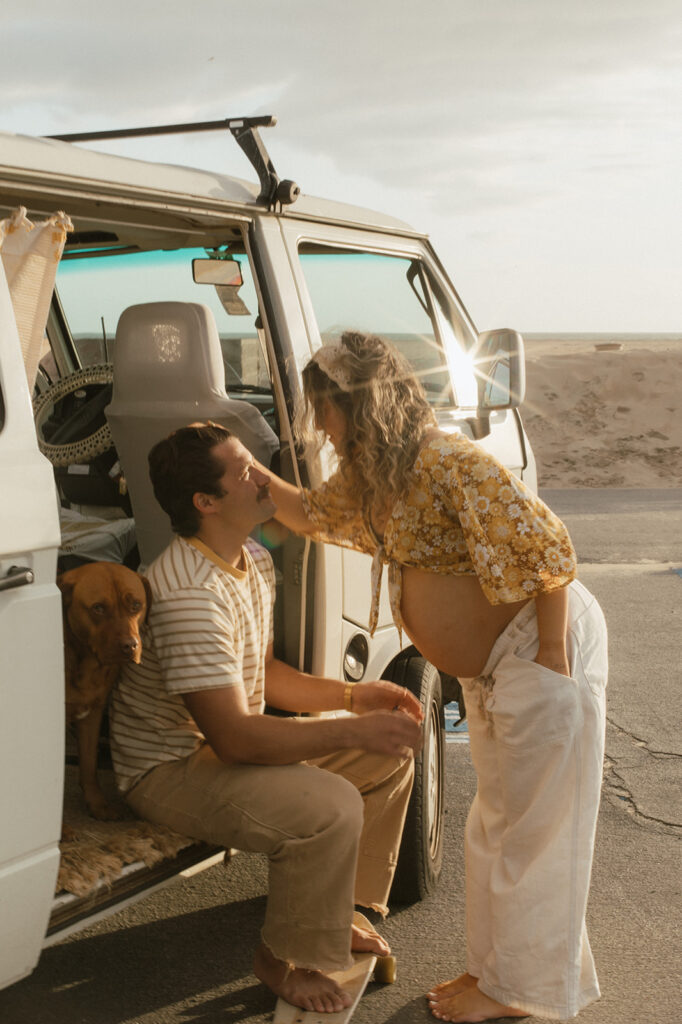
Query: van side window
{"type": "Point", "coordinates": [390, 296]}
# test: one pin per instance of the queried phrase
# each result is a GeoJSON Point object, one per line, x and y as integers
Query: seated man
{"type": "Point", "coordinates": [193, 749]}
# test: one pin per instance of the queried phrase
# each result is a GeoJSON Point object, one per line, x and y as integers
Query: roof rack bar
{"type": "Point", "coordinates": [244, 130]}
{"type": "Point", "coordinates": [230, 123]}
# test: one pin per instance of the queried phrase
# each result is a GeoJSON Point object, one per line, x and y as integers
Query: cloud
{"type": "Point", "coordinates": [478, 118]}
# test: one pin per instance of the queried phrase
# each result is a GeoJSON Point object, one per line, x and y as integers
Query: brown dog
{"type": "Point", "coordinates": [104, 604]}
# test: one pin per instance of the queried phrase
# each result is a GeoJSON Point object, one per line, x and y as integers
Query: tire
{"type": "Point", "coordinates": [421, 852]}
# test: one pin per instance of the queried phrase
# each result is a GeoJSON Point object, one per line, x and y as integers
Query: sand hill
{"type": "Point", "coordinates": [601, 412]}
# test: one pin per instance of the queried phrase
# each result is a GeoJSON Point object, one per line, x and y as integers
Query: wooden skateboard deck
{"type": "Point", "coordinates": [353, 980]}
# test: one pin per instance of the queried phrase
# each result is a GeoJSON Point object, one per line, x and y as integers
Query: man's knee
{"type": "Point", "coordinates": [335, 804]}
{"type": "Point", "coordinates": [305, 802]}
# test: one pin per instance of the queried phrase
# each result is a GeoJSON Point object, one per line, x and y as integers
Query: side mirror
{"type": "Point", "coordinates": [500, 369]}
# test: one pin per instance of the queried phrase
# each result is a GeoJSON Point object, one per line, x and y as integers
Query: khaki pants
{"type": "Point", "coordinates": [537, 743]}
{"type": "Point", "coordinates": [331, 829]}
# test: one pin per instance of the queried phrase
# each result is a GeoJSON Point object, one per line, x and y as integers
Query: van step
{"type": "Point", "coordinates": [136, 880]}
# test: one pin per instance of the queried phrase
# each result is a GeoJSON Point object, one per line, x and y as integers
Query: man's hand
{"type": "Point", "coordinates": [385, 696]}
{"type": "Point", "coordinates": [387, 732]}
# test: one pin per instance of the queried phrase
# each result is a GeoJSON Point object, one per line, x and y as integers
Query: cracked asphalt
{"type": "Point", "coordinates": [629, 544]}
{"type": "Point", "coordinates": [184, 954]}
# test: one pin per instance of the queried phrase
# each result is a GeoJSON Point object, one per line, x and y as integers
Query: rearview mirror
{"type": "Point", "coordinates": [227, 272]}
{"type": "Point", "coordinates": [500, 368]}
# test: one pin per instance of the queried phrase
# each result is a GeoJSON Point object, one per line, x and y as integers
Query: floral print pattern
{"type": "Point", "coordinates": [464, 514]}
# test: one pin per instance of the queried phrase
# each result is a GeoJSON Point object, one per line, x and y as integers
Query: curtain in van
{"type": "Point", "coordinates": [30, 254]}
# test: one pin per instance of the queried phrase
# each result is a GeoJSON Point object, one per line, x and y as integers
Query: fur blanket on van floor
{"type": "Point", "coordinates": [96, 852]}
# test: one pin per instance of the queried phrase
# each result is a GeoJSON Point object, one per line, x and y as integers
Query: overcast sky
{"type": "Point", "coordinates": [538, 142]}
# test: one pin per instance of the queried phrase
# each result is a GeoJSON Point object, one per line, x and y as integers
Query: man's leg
{"type": "Point", "coordinates": [385, 784]}
{"type": "Point", "coordinates": [308, 823]}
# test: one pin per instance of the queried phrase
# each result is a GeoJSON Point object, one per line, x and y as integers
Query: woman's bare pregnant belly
{"type": "Point", "coordinates": [451, 621]}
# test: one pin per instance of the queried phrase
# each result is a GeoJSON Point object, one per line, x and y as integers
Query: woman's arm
{"type": "Point", "coordinates": [287, 497]}
{"type": "Point", "coordinates": [552, 615]}
{"type": "Point", "coordinates": [328, 514]}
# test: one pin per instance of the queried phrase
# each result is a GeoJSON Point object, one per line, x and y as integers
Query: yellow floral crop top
{"type": "Point", "coordinates": [464, 514]}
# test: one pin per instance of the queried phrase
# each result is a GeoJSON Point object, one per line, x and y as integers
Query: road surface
{"type": "Point", "coordinates": [183, 956]}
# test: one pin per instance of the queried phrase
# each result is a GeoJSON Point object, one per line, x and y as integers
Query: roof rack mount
{"type": "Point", "coordinates": [244, 131]}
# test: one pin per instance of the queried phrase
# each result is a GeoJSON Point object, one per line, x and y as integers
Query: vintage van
{"type": "Point", "coordinates": [182, 294]}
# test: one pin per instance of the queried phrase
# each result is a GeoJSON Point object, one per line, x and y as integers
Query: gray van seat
{"type": "Point", "coordinates": [168, 372]}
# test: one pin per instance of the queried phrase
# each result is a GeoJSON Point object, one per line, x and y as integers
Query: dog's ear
{"type": "Point", "coordinates": [66, 586]}
{"type": "Point", "coordinates": [148, 591]}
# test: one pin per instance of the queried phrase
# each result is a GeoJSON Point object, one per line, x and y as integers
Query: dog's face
{"type": "Point", "coordinates": [104, 604]}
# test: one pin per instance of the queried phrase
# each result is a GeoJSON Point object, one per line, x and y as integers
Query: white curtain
{"type": "Point", "coordinates": [30, 254]}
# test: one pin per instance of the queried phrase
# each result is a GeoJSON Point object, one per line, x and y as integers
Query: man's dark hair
{"type": "Point", "coordinates": [183, 465]}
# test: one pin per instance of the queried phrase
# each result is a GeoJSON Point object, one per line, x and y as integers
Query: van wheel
{"type": "Point", "coordinates": [78, 430]}
{"type": "Point", "coordinates": [421, 851]}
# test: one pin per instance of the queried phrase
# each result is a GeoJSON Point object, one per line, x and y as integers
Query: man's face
{"type": "Point", "coordinates": [246, 500]}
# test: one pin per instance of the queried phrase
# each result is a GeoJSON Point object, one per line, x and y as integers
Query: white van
{"type": "Point", "coordinates": [280, 272]}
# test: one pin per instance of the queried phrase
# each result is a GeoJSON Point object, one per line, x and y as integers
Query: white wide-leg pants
{"type": "Point", "coordinates": [537, 743]}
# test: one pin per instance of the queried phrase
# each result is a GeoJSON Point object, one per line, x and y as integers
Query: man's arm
{"type": "Point", "coordinates": [239, 737]}
{"type": "Point", "coordinates": [290, 690]}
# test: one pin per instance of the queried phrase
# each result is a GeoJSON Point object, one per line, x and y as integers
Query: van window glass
{"type": "Point", "coordinates": [94, 290]}
{"type": "Point", "coordinates": [394, 298]}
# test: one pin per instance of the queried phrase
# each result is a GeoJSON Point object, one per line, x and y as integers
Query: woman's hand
{"type": "Point", "coordinates": [384, 696]}
{"type": "Point", "coordinates": [552, 615]}
{"type": "Point", "coordinates": [553, 657]}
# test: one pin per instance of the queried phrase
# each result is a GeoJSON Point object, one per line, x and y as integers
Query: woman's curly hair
{"type": "Point", "coordinates": [386, 410]}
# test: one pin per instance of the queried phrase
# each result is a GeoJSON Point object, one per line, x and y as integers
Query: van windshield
{"type": "Point", "coordinates": [94, 290]}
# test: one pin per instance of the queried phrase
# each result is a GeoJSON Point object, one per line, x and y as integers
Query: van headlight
{"type": "Point", "coordinates": [355, 658]}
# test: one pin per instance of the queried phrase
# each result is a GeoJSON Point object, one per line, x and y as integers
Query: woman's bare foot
{"type": "Point", "coordinates": [451, 988]}
{"type": "Point", "coordinates": [311, 990]}
{"type": "Point", "coordinates": [468, 1005]}
{"type": "Point", "coordinates": [366, 940]}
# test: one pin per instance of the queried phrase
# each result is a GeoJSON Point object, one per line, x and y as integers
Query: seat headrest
{"type": "Point", "coordinates": [167, 350]}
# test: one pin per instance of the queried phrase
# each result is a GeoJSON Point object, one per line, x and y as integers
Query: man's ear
{"type": "Point", "coordinates": [203, 503]}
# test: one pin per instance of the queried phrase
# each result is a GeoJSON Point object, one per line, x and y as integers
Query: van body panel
{"type": "Point", "coordinates": [32, 675]}
{"type": "Point", "coordinates": [26, 892]}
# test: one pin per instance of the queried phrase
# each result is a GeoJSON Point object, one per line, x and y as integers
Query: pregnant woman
{"type": "Point", "coordinates": [482, 580]}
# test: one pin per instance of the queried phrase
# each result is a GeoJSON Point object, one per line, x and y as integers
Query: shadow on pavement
{"type": "Point", "coordinates": [178, 958]}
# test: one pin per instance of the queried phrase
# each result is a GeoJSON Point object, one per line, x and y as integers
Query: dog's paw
{"type": "Point", "coordinates": [68, 834]}
{"type": "Point", "coordinates": [104, 811]}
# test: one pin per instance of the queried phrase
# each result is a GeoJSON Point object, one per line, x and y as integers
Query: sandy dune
{"type": "Point", "coordinates": [608, 416]}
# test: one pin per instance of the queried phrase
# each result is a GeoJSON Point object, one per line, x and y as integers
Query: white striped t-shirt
{"type": "Point", "coordinates": [209, 626]}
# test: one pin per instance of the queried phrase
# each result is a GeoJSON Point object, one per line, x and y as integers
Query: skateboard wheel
{"type": "Point", "coordinates": [385, 970]}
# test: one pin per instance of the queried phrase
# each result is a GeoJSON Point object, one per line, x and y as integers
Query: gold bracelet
{"type": "Point", "coordinates": [348, 696]}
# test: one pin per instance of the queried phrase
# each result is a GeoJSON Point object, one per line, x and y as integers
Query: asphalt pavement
{"type": "Point", "coordinates": [183, 955]}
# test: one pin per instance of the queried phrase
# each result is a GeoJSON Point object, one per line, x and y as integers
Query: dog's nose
{"type": "Point", "coordinates": [130, 645]}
